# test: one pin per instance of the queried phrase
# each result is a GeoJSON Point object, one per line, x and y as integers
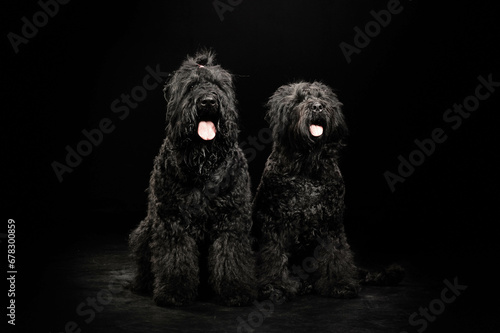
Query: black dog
{"type": "Point", "coordinates": [299, 205]}
{"type": "Point", "coordinates": [196, 233]}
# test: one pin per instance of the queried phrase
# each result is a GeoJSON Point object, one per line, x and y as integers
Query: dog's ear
{"type": "Point", "coordinates": [166, 91]}
{"type": "Point", "coordinates": [272, 107]}
{"type": "Point", "coordinates": [275, 105]}
{"type": "Point", "coordinates": [340, 130]}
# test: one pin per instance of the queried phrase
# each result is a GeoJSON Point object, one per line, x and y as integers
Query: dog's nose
{"type": "Point", "coordinates": [208, 101]}
{"type": "Point", "coordinates": [317, 107]}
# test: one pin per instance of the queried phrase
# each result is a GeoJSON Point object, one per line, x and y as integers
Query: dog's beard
{"type": "Point", "coordinates": [202, 106]}
{"type": "Point", "coordinates": [191, 124]}
{"type": "Point", "coordinates": [311, 129]}
{"type": "Point", "coordinates": [308, 141]}
{"type": "Point", "coordinates": [205, 128]}
{"type": "Point", "coordinates": [202, 140]}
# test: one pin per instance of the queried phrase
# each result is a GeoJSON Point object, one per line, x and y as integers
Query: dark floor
{"type": "Point", "coordinates": [83, 289]}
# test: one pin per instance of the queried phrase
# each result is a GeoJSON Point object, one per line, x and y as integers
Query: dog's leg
{"type": "Point", "coordinates": [338, 276]}
{"type": "Point", "coordinates": [174, 265]}
{"type": "Point", "coordinates": [274, 276]}
{"type": "Point", "coordinates": [139, 245]}
{"type": "Point", "coordinates": [232, 268]}
{"type": "Point", "coordinates": [231, 261]}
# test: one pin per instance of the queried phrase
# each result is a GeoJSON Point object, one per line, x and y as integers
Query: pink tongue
{"type": "Point", "coordinates": [316, 130]}
{"type": "Point", "coordinates": [206, 130]}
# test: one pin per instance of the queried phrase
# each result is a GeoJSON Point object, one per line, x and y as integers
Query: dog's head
{"type": "Point", "coordinates": [306, 115]}
{"type": "Point", "coordinates": [201, 102]}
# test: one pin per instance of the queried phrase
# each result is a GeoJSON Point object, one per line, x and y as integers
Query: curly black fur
{"type": "Point", "coordinates": [299, 205]}
{"type": "Point", "coordinates": [196, 232]}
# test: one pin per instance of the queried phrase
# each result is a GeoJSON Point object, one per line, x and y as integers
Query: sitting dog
{"type": "Point", "coordinates": [299, 205]}
{"type": "Point", "coordinates": [196, 232]}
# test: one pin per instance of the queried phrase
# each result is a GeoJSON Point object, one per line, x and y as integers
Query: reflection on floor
{"type": "Point", "coordinates": [83, 292]}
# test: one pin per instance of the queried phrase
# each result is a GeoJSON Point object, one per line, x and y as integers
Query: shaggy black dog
{"type": "Point", "coordinates": [299, 205]}
{"type": "Point", "coordinates": [196, 233]}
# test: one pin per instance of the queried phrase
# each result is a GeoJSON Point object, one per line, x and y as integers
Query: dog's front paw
{"type": "Point", "coordinates": [173, 297]}
{"type": "Point", "coordinates": [139, 288]}
{"type": "Point", "coordinates": [305, 288]}
{"type": "Point", "coordinates": [241, 299]}
{"type": "Point", "coordinates": [337, 290]}
{"type": "Point", "coordinates": [278, 293]}
{"type": "Point", "coordinates": [172, 300]}
{"type": "Point", "coordinates": [237, 295]}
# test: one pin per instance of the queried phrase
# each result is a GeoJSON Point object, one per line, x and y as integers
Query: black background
{"type": "Point", "coordinates": [442, 219]}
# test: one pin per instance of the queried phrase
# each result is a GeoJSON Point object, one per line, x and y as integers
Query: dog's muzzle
{"type": "Point", "coordinates": [207, 107]}
{"type": "Point", "coordinates": [316, 129]}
